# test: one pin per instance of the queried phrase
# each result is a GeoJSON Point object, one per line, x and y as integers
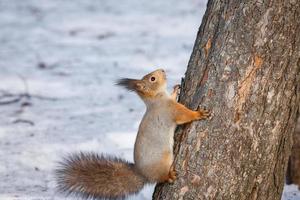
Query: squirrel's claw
{"type": "Point", "coordinates": [177, 87]}
{"type": "Point", "coordinates": [172, 175]}
{"type": "Point", "coordinates": [176, 91]}
{"type": "Point", "coordinates": [204, 114]}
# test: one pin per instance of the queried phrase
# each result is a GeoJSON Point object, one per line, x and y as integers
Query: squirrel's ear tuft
{"type": "Point", "coordinates": [129, 84]}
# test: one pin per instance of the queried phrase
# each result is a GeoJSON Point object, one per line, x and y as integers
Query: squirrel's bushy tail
{"type": "Point", "coordinates": [97, 176]}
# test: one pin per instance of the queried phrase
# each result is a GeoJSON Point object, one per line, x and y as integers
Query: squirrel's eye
{"type": "Point", "coordinates": [152, 78]}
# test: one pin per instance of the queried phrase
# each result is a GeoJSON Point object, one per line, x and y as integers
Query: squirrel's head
{"type": "Point", "coordinates": [149, 86]}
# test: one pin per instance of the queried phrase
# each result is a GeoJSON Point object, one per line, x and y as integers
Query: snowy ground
{"type": "Point", "coordinates": [66, 55]}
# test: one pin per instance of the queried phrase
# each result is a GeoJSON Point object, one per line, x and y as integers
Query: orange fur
{"type": "Point", "coordinates": [145, 87]}
{"type": "Point", "coordinates": [172, 174]}
{"type": "Point", "coordinates": [106, 177]}
{"type": "Point", "coordinates": [184, 115]}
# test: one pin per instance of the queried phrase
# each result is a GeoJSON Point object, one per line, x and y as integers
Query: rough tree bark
{"type": "Point", "coordinates": [293, 172]}
{"type": "Point", "coordinates": [245, 67]}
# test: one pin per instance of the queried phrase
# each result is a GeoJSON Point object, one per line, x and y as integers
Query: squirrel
{"type": "Point", "coordinates": [95, 176]}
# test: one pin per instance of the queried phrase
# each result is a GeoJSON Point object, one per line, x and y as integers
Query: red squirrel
{"type": "Point", "coordinates": [99, 176]}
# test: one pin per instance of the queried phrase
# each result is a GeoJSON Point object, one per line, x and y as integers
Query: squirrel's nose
{"type": "Point", "coordinates": [163, 71]}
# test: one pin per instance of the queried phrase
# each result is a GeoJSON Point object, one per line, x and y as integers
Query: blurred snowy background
{"type": "Point", "coordinates": [58, 64]}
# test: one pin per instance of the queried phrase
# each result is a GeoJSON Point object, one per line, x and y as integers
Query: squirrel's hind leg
{"type": "Point", "coordinates": [162, 170]}
{"type": "Point", "coordinates": [172, 175]}
{"type": "Point", "coordinates": [168, 173]}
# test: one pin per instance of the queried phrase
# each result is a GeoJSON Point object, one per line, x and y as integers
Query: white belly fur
{"type": "Point", "coordinates": [155, 137]}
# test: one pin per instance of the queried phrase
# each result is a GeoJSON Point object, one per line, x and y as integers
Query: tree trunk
{"type": "Point", "coordinates": [293, 173]}
{"type": "Point", "coordinates": [245, 67]}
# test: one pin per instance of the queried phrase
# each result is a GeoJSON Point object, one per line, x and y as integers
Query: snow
{"type": "Point", "coordinates": [291, 192]}
{"type": "Point", "coordinates": [67, 56]}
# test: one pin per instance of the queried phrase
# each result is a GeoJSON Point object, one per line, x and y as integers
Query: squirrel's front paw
{"type": "Point", "coordinates": [176, 91]}
{"type": "Point", "coordinates": [176, 88]}
{"type": "Point", "coordinates": [203, 113]}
